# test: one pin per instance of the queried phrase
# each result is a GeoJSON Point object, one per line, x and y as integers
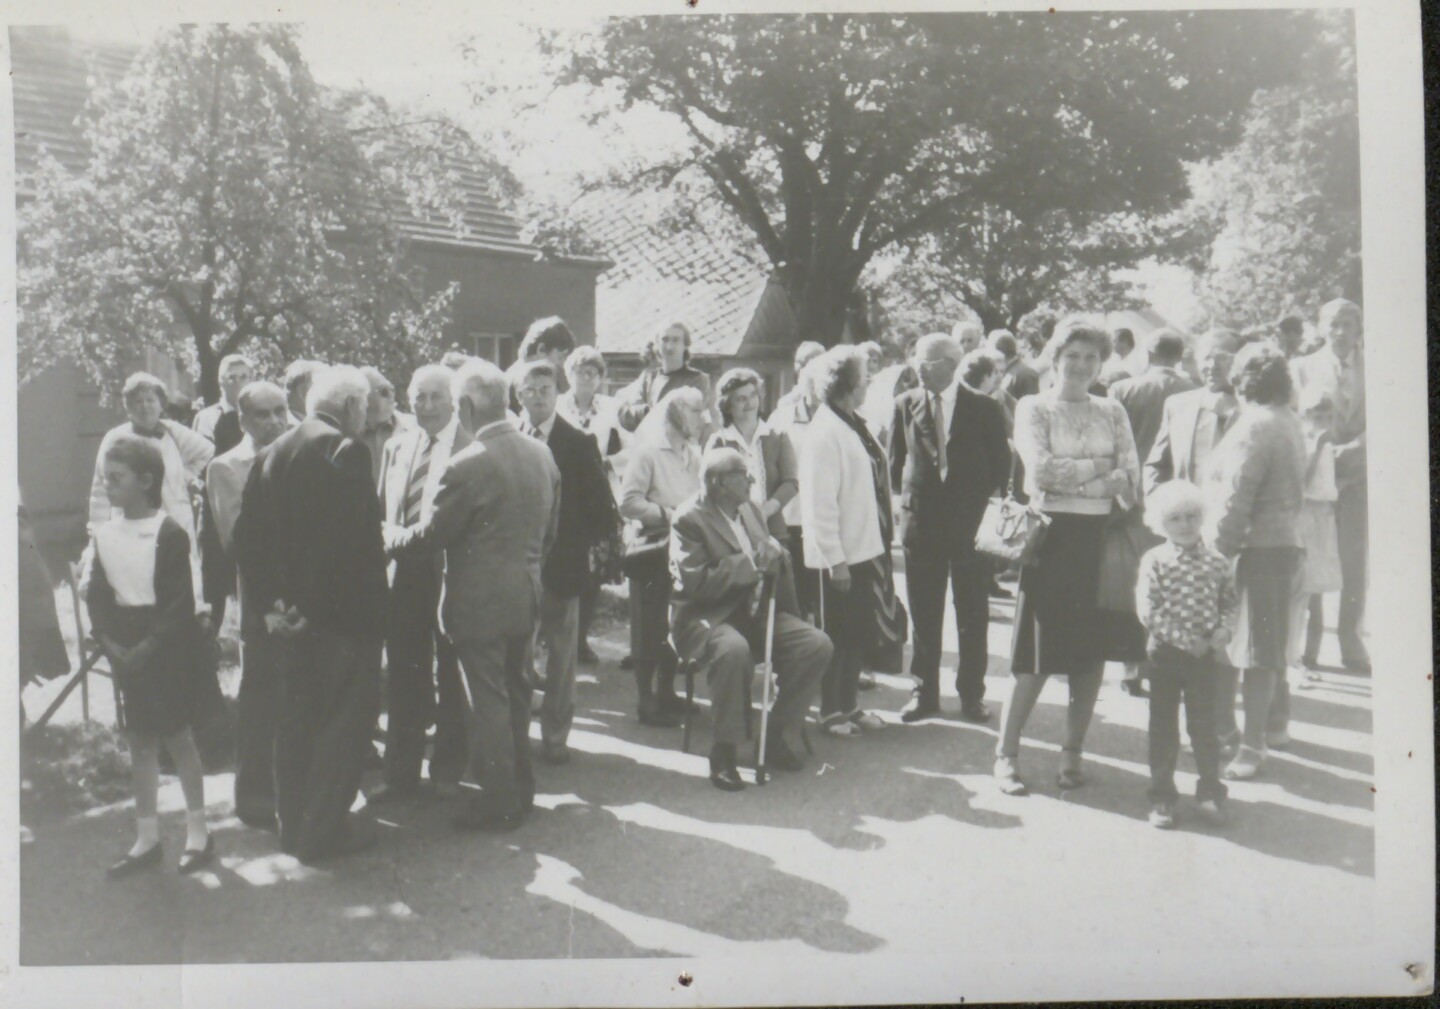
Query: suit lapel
{"type": "Point", "coordinates": [721, 523]}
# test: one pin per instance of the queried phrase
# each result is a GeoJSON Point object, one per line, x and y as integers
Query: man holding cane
{"type": "Point", "coordinates": [722, 559]}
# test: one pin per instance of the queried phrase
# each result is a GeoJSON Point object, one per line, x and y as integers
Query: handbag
{"type": "Point", "coordinates": [1126, 539]}
{"type": "Point", "coordinates": [1012, 531]}
{"type": "Point", "coordinates": [647, 553]}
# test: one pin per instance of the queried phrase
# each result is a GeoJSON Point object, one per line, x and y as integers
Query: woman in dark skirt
{"type": "Point", "coordinates": [1255, 482]}
{"type": "Point", "coordinates": [141, 597]}
{"type": "Point", "coordinates": [1080, 465]}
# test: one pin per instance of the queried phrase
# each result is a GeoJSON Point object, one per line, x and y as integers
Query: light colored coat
{"type": "Point", "coordinates": [838, 511]}
{"type": "Point", "coordinates": [224, 483]}
{"type": "Point", "coordinates": [1189, 431]}
{"type": "Point", "coordinates": [495, 515]}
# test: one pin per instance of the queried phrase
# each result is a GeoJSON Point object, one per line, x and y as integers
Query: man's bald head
{"type": "Point", "coordinates": [264, 412]}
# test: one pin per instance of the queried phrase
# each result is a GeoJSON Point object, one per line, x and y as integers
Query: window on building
{"type": "Point", "coordinates": [497, 348]}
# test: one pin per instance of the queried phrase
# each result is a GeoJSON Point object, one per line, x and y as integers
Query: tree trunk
{"type": "Point", "coordinates": [209, 370]}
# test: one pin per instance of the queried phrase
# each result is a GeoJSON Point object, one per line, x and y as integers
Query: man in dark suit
{"type": "Point", "coordinates": [1019, 380]}
{"type": "Point", "coordinates": [264, 416]}
{"type": "Point", "coordinates": [720, 556]}
{"type": "Point", "coordinates": [495, 515]}
{"type": "Point", "coordinates": [949, 454]}
{"type": "Point", "coordinates": [311, 553]}
{"type": "Point", "coordinates": [587, 514]}
{"type": "Point", "coordinates": [420, 660]}
{"type": "Point", "coordinates": [1143, 398]}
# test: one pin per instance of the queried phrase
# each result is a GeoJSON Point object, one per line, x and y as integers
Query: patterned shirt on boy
{"type": "Point", "coordinates": [1184, 594]}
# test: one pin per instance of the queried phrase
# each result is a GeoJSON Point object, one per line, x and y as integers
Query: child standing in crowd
{"type": "Point", "coordinates": [1186, 599]}
{"type": "Point", "coordinates": [141, 599]}
{"type": "Point", "coordinates": [1319, 535]}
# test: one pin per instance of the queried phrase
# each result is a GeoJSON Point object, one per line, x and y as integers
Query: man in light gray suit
{"type": "Point", "coordinates": [495, 515]}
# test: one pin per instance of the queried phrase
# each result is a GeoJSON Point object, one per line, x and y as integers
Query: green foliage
{"type": "Point", "coordinates": [1017, 139]}
{"type": "Point", "coordinates": [1282, 210]}
{"type": "Point", "coordinates": [231, 204]}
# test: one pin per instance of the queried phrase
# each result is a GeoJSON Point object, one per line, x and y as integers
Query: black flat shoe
{"type": "Point", "coordinates": [727, 779]}
{"type": "Point", "coordinates": [587, 655]}
{"type": "Point", "coordinates": [628, 662]}
{"type": "Point", "coordinates": [918, 710]}
{"type": "Point", "coordinates": [195, 859]}
{"type": "Point", "coordinates": [131, 864]}
{"type": "Point", "coordinates": [659, 718]}
{"type": "Point", "coordinates": [976, 714]}
{"type": "Point", "coordinates": [477, 818]}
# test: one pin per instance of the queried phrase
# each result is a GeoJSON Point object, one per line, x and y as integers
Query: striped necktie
{"type": "Point", "coordinates": [937, 415]}
{"type": "Point", "coordinates": [415, 490]}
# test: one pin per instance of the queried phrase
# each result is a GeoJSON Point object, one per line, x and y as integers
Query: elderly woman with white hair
{"type": "Point", "coordinates": [847, 520]}
{"type": "Point", "coordinates": [1080, 465]}
{"type": "Point", "coordinates": [664, 471]}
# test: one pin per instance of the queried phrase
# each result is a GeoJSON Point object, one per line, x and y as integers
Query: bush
{"type": "Point", "coordinates": [66, 769]}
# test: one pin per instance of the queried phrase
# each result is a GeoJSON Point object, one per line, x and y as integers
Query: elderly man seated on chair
{"type": "Point", "coordinates": [725, 565]}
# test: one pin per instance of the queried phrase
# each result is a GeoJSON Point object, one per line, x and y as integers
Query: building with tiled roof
{"type": "Point", "coordinates": [504, 282]}
{"type": "Point", "coordinates": [736, 311]}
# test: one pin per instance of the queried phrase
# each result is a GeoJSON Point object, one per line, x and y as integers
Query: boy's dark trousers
{"type": "Point", "coordinates": [1175, 673]}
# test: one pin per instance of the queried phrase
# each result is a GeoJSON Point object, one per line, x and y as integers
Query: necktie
{"type": "Point", "coordinates": [415, 490]}
{"type": "Point", "coordinates": [937, 414]}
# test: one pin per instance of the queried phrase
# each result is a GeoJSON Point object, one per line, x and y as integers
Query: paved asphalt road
{"type": "Point", "coordinates": [893, 842]}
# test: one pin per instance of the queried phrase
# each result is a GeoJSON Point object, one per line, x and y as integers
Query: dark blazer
{"type": "Point", "coordinates": [712, 576]}
{"type": "Point", "coordinates": [587, 509]}
{"type": "Point", "coordinates": [1143, 398]}
{"type": "Point", "coordinates": [309, 531]}
{"type": "Point", "coordinates": [944, 516]}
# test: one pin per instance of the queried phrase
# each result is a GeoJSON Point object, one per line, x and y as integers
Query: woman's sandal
{"type": "Point", "coordinates": [1070, 775]}
{"type": "Point", "coordinates": [1245, 765]}
{"type": "Point", "coordinates": [1007, 778]}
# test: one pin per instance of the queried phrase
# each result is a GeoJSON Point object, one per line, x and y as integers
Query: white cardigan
{"type": "Point", "coordinates": [839, 515]}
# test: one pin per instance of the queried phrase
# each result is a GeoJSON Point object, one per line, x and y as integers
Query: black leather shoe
{"type": "Point", "coordinates": [975, 714]}
{"type": "Point", "coordinates": [555, 753]}
{"type": "Point", "coordinates": [479, 817]}
{"type": "Point", "coordinates": [195, 859]}
{"type": "Point", "coordinates": [131, 864]}
{"type": "Point", "coordinates": [918, 709]}
{"type": "Point", "coordinates": [392, 794]}
{"type": "Point", "coordinates": [1134, 688]}
{"type": "Point", "coordinates": [352, 842]}
{"type": "Point", "coordinates": [675, 704]}
{"type": "Point", "coordinates": [586, 654]}
{"type": "Point", "coordinates": [998, 591]}
{"type": "Point", "coordinates": [779, 756]}
{"type": "Point", "coordinates": [725, 777]}
{"type": "Point", "coordinates": [658, 717]}
{"type": "Point", "coordinates": [627, 662]}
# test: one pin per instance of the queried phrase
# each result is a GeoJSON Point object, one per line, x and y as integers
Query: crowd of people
{"type": "Point", "coordinates": [1195, 511]}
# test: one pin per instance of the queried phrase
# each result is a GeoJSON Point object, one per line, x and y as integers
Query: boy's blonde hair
{"type": "Point", "coordinates": [1169, 498]}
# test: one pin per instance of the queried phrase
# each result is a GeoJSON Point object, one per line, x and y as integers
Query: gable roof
{"type": "Point", "coordinates": [53, 75]}
{"type": "Point", "coordinates": [664, 274]}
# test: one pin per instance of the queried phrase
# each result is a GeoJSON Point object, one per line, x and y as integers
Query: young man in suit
{"type": "Point", "coordinates": [495, 515]}
{"type": "Point", "coordinates": [420, 660]}
{"type": "Point", "coordinates": [949, 454]}
{"type": "Point", "coordinates": [587, 513]}
{"type": "Point", "coordinates": [310, 550]}
{"type": "Point", "coordinates": [721, 554]}
{"type": "Point", "coordinates": [1143, 398]}
{"type": "Point", "coordinates": [264, 416]}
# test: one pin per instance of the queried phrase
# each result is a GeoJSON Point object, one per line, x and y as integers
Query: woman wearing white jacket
{"type": "Point", "coordinates": [846, 520]}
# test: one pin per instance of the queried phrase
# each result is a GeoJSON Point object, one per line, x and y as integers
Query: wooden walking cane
{"type": "Point", "coordinates": [767, 670]}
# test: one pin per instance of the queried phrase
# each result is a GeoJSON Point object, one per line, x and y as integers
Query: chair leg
{"type": "Point", "coordinates": [689, 705]}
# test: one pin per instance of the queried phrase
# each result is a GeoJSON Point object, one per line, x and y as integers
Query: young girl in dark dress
{"type": "Point", "coordinates": [141, 598]}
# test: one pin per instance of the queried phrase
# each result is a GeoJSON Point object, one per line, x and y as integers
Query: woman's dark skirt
{"type": "Point", "coordinates": [161, 698]}
{"type": "Point", "coordinates": [1058, 628]}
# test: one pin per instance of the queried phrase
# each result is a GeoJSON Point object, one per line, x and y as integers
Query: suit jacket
{"type": "Point", "coordinates": [587, 509]}
{"type": "Point", "coordinates": [1187, 424]}
{"type": "Point", "coordinates": [1020, 380]}
{"type": "Point", "coordinates": [944, 516]}
{"type": "Point", "coordinates": [1322, 371]}
{"type": "Point", "coordinates": [713, 577]}
{"type": "Point", "coordinates": [496, 515]}
{"type": "Point", "coordinates": [1143, 398]}
{"type": "Point", "coordinates": [224, 483]}
{"type": "Point", "coordinates": [396, 465]}
{"type": "Point", "coordinates": [309, 531]}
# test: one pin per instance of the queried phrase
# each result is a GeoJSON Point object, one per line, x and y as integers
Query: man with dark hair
{"type": "Point", "coordinates": [587, 514]}
{"type": "Point", "coordinates": [382, 421]}
{"type": "Point", "coordinates": [1290, 335]}
{"type": "Point", "coordinates": [1020, 379]}
{"type": "Point", "coordinates": [672, 349]}
{"type": "Point", "coordinates": [1143, 398]}
{"type": "Point", "coordinates": [219, 421]}
{"type": "Point", "coordinates": [547, 339]}
{"type": "Point", "coordinates": [264, 417]}
{"type": "Point", "coordinates": [1118, 367]}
